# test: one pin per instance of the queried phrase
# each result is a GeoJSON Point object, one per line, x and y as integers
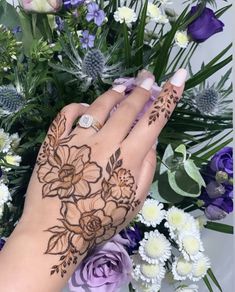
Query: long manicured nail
{"type": "Point", "coordinates": [179, 77]}
{"type": "Point", "coordinates": [147, 83]}
{"type": "Point", "coordinates": [85, 104]}
{"type": "Point", "coordinates": [119, 88]}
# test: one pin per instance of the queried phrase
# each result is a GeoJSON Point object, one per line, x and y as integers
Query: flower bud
{"type": "Point", "coordinates": [215, 190]}
{"type": "Point", "coordinates": [214, 213]}
{"type": "Point", "coordinates": [221, 176]}
{"type": "Point", "coordinates": [41, 6]}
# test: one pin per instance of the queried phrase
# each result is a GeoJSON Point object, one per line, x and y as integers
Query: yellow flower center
{"type": "Point", "coordinates": [191, 244]}
{"type": "Point", "coordinates": [154, 247]}
{"type": "Point", "coordinates": [150, 271]}
{"type": "Point", "coordinates": [184, 268]}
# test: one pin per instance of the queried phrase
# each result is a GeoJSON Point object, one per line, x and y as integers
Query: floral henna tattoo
{"type": "Point", "coordinates": [163, 103]}
{"type": "Point", "coordinates": [88, 217]}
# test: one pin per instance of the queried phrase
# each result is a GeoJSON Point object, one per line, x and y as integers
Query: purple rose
{"type": "Point", "coordinates": [205, 25]}
{"type": "Point", "coordinates": [106, 270]}
{"type": "Point", "coordinates": [223, 161]}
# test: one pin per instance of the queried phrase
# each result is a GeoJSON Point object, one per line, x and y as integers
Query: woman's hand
{"type": "Point", "coordinates": [87, 185]}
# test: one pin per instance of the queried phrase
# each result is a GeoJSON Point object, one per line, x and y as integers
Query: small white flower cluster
{"type": "Point", "coordinates": [154, 250]}
{"type": "Point", "coordinates": [184, 229]}
{"type": "Point", "coordinates": [181, 39]}
{"type": "Point", "coordinates": [8, 145]}
{"type": "Point", "coordinates": [155, 14]}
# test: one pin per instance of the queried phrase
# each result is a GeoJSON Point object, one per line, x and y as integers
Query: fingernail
{"type": "Point", "coordinates": [85, 104]}
{"type": "Point", "coordinates": [119, 88]}
{"type": "Point", "coordinates": [147, 83]}
{"type": "Point", "coordinates": [179, 78]}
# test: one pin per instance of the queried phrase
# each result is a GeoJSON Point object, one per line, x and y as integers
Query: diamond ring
{"type": "Point", "coordinates": [87, 121]}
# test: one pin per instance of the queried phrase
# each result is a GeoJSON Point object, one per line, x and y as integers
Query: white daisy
{"type": "Point", "coordinates": [190, 245]}
{"type": "Point", "coordinates": [182, 269]}
{"type": "Point", "coordinates": [13, 159]}
{"type": "Point", "coordinates": [125, 14]}
{"type": "Point", "coordinates": [153, 12]}
{"type": "Point", "coordinates": [181, 39]}
{"type": "Point", "coordinates": [149, 273]}
{"type": "Point", "coordinates": [15, 140]}
{"type": "Point", "coordinates": [190, 288]}
{"type": "Point", "coordinates": [176, 219]}
{"type": "Point", "coordinates": [163, 19]}
{"type": "Point", "coordinates": [4, 194]}
{"type": "Point", "coordinates": [155, 248]}
{"type": "Point", "coordinates": [200, 267]}
{"type": "Point", "coordinates": [191, 225]}
{"type": "Point", "coordinates": [140, 286]}
{"type": "Point", "coordinates": [201, 221]}
{"type": "Point", "coordinates": [152, 213]}
{"type": "Point", "coordinates": [5, 141]}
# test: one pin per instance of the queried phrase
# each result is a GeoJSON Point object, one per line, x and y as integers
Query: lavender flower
{"type": "Point", "coordinates": [96, 14]}
{"type": "Point", "coordinates": [60, 23]}
{"type": "Point", "coordinates": [68, 4]}
{"type": "Point", "coordinates": [87, 40]}
{"type": "Point", "coordinates": [214, 213]}
{"type": "Point", "coordinates": [134, 235]}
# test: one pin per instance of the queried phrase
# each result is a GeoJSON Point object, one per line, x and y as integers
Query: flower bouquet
{"type": "Point", "coordinates": [55, 52]}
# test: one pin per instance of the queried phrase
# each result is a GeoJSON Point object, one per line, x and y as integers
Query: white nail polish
{"type": "Point", "coordinates": [147, 83]}
{"type": "Point", "coordinates": [85, 104]}
{"type": "Point", "coordinates": [179, 77]}
{"type": "Point", "coordinates": [119, 88]}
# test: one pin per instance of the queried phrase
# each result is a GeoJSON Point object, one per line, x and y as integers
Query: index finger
{"type": "Point", "coordinates": [151, 124]}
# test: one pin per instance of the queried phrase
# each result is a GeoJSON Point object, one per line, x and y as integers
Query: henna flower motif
{"type": "Point", "coordinates": [68, 172]}
{"type": "Point", "coordinates": [122, 183]}
{"type": "Point", "coordinates": [91, 221]}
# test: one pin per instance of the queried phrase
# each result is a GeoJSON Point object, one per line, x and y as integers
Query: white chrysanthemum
{"type": "Point", "coordinates": [181, 39]}
{"type": "Point", "coordinates": [5, 141]}
{"type": "Point", "coordinates": [141, 286]}
{"type": "Point", "coordinates": [201, 221]}
{"type": "Point", "coordinates": [163, 19]}
{"type": "Point", "coordinates": [13, 159]}
{"type": "Point", "coordinates": [182, 269]}
{"type": "Point", "coordinates": [155, 248]}
{"type": "Point", "coordinates": [4, 194]}
{"type": "Point", "coordinates": [176, 219]}
{"type": "Point", "coordinates": [15, 140]}
{"type": "Point", "coordinates": [190, 225]}
{"type": "Point", "coordinates": [190, 245]}
{"type": "Point", "coordinates": [149, 273]}
{"type": "Point", "coordinates": [125, 14]}
{"type": "Point", "coordinates": [190, 288]}
{"type": "Point", "coordinates": [152, 213]}
{"type": "Point", "coordinates": [200, 267]}
{"type": "Point", "coordinates": [153, 12]}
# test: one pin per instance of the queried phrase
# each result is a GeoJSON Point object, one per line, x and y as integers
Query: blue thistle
{"type": "Point", "coordinates": [10, 100]}
{"type": "Point", "coordinates": [93, 63]}
{"type": "Point", "coordinates": [207, 101]}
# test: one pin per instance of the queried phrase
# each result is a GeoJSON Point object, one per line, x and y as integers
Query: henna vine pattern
{"type": "Point", "coordinates": [163, 103]}
{"type": "Point", "coordinates": [88, 217]}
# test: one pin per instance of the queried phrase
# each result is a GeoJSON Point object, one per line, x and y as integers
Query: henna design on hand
{"type": "Point", "coordinates": [163, 103]}
{"type": "Point", "coordinates": [88, 216]}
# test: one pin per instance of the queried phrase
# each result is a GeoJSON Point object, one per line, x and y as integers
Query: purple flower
{"type": "Point", "coordinates": [2, 242]}
{"type": "Point", "coordinates": [68, 4]}
{"type": "Point", "coordinates": [223, 161]}
{"type": "Point", "coordinates": [105, 270]}
{"type": "Point", "coordinates": [59, 23]}
{"type": "Point", "coordinates": [87, 40]}
{"type": "Point", "coordinates": [96, 14]}
{"type": "Point", "coordinates": [134, 235]}
{"type": "Point", "coordinates": [205, 25]}
{"type": "Point", "coordinates": [214, 213]}
{"type": "Point", "coordinates": [16, 29]}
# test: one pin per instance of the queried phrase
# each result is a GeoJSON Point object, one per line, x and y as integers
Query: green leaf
{"type": "Point", "coordinates": [169, 153]}
{"type": "Point", "coordinates": [164, 190]}
{"type": "Point", "coordinates": [216, 149]}
{"type": "Point", "coordinates": [182, 149]}
{"type": "Point", "coordinates": [182, 184]}
{"type": "Point", "coordinates": [206, 281]}
{"type": "Point", "coordinates": [155, 193]}
{"type": "Point", "coordinates": [140, 36]}
{"type": "Point", "coordinates": [206, 73]}
{"type": "Point", "coordinates": [8, 15]}
{"type": "Point", "coordinates": [193, 172]}
{"type": "Point", "coordinates": [27, 32]}
{"type": "Point", "coordinates": [213, 278]}
{"type": "Point", "coordinates": [220, 227]}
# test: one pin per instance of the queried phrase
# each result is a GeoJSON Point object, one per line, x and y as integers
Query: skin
{"type": "Point", "coordinates": [86, 186]}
